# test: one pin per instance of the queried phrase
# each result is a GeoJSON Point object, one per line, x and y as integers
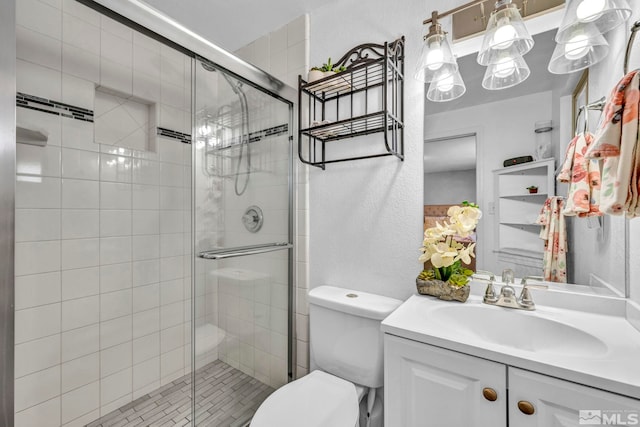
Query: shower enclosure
{"type": "Point", "coordinates": [160, 203]}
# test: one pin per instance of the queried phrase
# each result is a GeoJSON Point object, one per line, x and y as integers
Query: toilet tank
{"type": "Point", "coordinates": [345, 335]}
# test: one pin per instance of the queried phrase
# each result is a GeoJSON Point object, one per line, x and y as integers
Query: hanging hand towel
{"type": "Point", "coordinates": [554, 233]}
{"type": "Point", "coordinates": [583, 176]}
{"type": "Point", "coordinates": [616, 143]}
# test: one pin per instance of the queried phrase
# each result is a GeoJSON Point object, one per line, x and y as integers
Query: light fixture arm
{"type": "Point", "coordinates": [435, 15]}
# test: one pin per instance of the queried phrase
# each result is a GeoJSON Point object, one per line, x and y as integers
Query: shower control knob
{"type": "Point", "coordinates": [253, 219]}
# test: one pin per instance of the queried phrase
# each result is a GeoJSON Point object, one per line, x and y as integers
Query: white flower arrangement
{"type": "Point", "coordinates": [444, 252]}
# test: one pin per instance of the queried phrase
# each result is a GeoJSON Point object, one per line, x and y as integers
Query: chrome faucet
{"type": "Point", "coordinates": [507, 297]}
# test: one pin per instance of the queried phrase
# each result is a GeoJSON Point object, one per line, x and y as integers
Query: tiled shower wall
{"type": "Point", "coordinates": [284, 53]}
{"type": "Point", "coordinates": [102, 231]}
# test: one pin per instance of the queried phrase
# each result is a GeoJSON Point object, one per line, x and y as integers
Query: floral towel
{"type": "Point", "coordinates": [554, 233]}
{"type": "Point", "coordinates": [616, 145]}
{"type": "Point", "coordinates": [583, 176]}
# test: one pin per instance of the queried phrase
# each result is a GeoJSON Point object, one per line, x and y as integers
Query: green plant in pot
{"type": "Point", "coordinates": [532, 189]}
{"type": "Point", "coordinates": [444, 248]}
{"type": "Point", "coordinates": [327, 69]}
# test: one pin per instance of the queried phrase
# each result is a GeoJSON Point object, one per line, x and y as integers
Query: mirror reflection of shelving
{"type": "Point", "coordinates": [517, 233]}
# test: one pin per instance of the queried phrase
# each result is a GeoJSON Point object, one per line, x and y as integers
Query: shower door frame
{"type": "Point", "coordinates": [7, 209]}
{"type": "Point", "coordinates": [149, 21]}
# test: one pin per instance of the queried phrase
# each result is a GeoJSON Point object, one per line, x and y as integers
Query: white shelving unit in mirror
{"type": "Point", "coordinates": [517, 209]}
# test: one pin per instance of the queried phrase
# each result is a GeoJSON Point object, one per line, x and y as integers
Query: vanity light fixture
{"type": "Point", "coordinates": [505, 71]}
{"type": "Point", "coordinates": [591, 18]}
{"type": "Point", "coordinates": [505, 31]}
{"type": "Point", "coordinates": [437, 57]}
{"type": "Point", "coordinates": [579, 53]}
{"type": "Point", "coordinates": [446, 87]}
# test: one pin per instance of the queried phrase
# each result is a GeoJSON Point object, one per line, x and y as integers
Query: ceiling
{"type": "Point", "coordinates": [540, 80]}
{"type": "Point", "coordinates": [234, 24]}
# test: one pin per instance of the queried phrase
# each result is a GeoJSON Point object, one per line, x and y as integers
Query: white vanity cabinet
{"type": "Point", "coordinates": [428, 386]}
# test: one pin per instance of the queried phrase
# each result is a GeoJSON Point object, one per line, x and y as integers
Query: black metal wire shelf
{"type": "Point", "coordinates": [370, 93]}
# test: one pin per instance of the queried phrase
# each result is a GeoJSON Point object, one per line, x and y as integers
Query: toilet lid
{"type": "Point", "coordinates": [316, 400]}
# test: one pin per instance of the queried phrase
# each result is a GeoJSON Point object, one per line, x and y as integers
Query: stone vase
{"type": "Point", "coordinates": [442, 290]}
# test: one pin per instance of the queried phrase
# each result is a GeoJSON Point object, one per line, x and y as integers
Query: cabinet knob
{"type": "Point", "coordinates": [490, 394]}
{"type": "Point", "coordinates": [526, 408]}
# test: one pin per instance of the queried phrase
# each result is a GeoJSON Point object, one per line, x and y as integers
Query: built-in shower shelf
{"type": "Point", "coordinates": [365, 99]}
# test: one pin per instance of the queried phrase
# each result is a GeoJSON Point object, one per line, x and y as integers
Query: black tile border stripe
{"type": "Point", "coordinates": [57, 108]}
{"type": "Point", "coordinates": [185, 138]}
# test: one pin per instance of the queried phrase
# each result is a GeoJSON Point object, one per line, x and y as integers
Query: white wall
{"type": "Point", "coordinates": [102, 232]}
{"type": "Point", "coordinates": [451, 187]}
{"type": "Point", "coordinates": [503, 130]}
{"type": "Point", "coordinates": [365, 216]}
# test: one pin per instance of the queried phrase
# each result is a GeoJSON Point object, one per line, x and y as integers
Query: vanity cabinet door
{"type": "Point", "coordinates": [427, 386]}
{"type": "Point", "coordinates": [558, 403]}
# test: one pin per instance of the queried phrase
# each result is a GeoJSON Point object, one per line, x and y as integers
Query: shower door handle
{"type": "Point", "coordinates": [222, 254]}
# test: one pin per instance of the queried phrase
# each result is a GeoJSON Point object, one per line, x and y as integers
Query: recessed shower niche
{"type": "Point", "coordinates": [124, 120]}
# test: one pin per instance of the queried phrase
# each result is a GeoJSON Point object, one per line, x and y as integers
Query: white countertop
{"type": "Point", "coordinates": [615, 369]}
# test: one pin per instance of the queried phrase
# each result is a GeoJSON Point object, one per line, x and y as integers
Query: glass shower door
{"type": "Point", "coordinates": [242, 247]}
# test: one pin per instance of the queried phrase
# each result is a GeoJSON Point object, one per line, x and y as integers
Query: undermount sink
{"type": "Point", "coordinates": [521, 330]}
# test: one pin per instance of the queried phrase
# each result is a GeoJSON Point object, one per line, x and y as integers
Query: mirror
{"type": "Point", "coordinates": [468, 139]}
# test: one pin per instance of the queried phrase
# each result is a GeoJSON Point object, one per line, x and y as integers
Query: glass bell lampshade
{"type": "Point", "coordinates": [578, 53]}
{"type": "Point", "coordinates": [446, 87]}
{"type": "Point", "coordinates": [505, 30]}
{"type": "Point", "coordinates": [437, 56]}
{"type": "Point", "coordinates": [592, 17]}
{"type": "Point", "coordinates": [507, 70]}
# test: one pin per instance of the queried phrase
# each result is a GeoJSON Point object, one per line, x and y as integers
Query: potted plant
{"type": "Point", "coordinates": [327, 69]}
{"type": "Point", "coordinates": [448, 279]}
{"type": "Point", "coordinates": [532, 189]}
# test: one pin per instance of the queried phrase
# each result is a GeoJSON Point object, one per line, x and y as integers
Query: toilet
{"type": "Point", "coordinates": [347, 347]}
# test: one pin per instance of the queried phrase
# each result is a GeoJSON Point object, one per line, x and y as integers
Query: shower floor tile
{"type": "Point", "coordinates": [225, 397]}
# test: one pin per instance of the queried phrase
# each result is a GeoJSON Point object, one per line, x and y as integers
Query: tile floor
{"type": "Point", "coordinates": [224, 397]}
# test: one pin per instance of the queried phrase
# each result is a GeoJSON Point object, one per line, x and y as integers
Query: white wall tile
{"type": "Point", "coordinates": [80, 63]}
{"type": "Point", "coordinates": [116, 49]}
{"type": "Point", "coordinates": [37, 224]}
{"type": "Point", "coordinates": [114, 250]}
{"type": "Point", "coordinates": [171, 338]}
{"type": "Point", "coordinates": [37, 388]}
{"type": "Point", "coordinates": [80, 283]}
{"type": "Point", "coordinates": [147, 61]}
{"type": "Point", "coordinates": [115, 277]}
{"type": "Point", "coordinates": [171, 268]}
{"type": "Point", "coordinates": [116, 385]}
{"type": "Point", "coordinates": [115, 195]}
{"type": "Point", "coordinates": [171, 361]}
{"type": "Point", "coordinates": [115, 304]}
{"type": "Point", "coordinates": [80, 401]}
{"type": "Point", "coordinates": [116, 76]}
{"type": "Point", "coordinates": [145, 348]}
{"type": "Point", "coordinates": [146, 297]}
{"type": "Point", "coordinates": [80, 33]}
{"type": "Point", "coordinates": [78, 194]}
{"type": "Point", "coordinates": [78, 91]}
{"type": "Point", "coordinates": [116, 28]}
{"type": "Point", "coordinates": [79, 135]}
{"type": "Point", "coordinates": [41, 161]}
{"type": "Point", "coordinates": [46, 414]}
{"type": "Point", "coordinates": [171, 174]}
{"type": "Point", "coordinates": [116, 331]}
{"type": "Point", "coordinates": [146, 222]}
{"type": "Point", "coordinates": [145, 86]}
{"type": "Point", "coordinates": [146, 247]}
{"type": "Point", "coordinates": [146, 196]}
{"type": "Point", "coordinates": [80, 164]}
{"type": "Point", "coordinates": [171, 221]}
{"type": "Point", "coordinates": [37, 192]}
{"type": "Point", "coordinates": [37, 257]}
{"type": "Point", "coordinates": [80, 342]}
{"type": "Point", "coordinates": [115, 168]}
{"type": "Point", "coordinates": [146, 272]}
{"type": "Point", "coordinates": [83, 420]}
{"type": "Point", "coordinates": [37, 355]}
{"type": "Point", "coordinates": [146, 372]}
{"type": "Point", "coordinates": [80, 312]}
{"type": "Point", "coordinates": [171, 315]}
{"type": "Point", "coordinates": [115, 223]}
{"type": "Point", "coordinates": [80, 223]}
{"type": "Point", "coordinates": [115, 359]}
{"type": "Point", "coordinates": [81, 11]}
{"type": "Point", "coordinates": [37, 80]}
{"type": "Point", "coordinates": [146, 322]}
{"type": "Point", "coordinates": [79, 372]}
{"type": "Point", "coordinates": [171, 245]}
{"type": "Point", "coordinates": [37, 289]}
{"type": "Point", "coordinates": [80, 253]}
{"type": "Point", "coordinates": [40, 17]}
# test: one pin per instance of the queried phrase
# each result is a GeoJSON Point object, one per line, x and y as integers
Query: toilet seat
{"type": "Point", "coordinates": [316, 400]}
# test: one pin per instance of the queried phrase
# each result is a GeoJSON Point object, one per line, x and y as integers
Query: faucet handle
{"type": "Point", "coordinates": [492, 277]}
{"type": "Point", "coordinates": [508, 276]}
{"type": "Point", "coordinates": [525, 299]}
